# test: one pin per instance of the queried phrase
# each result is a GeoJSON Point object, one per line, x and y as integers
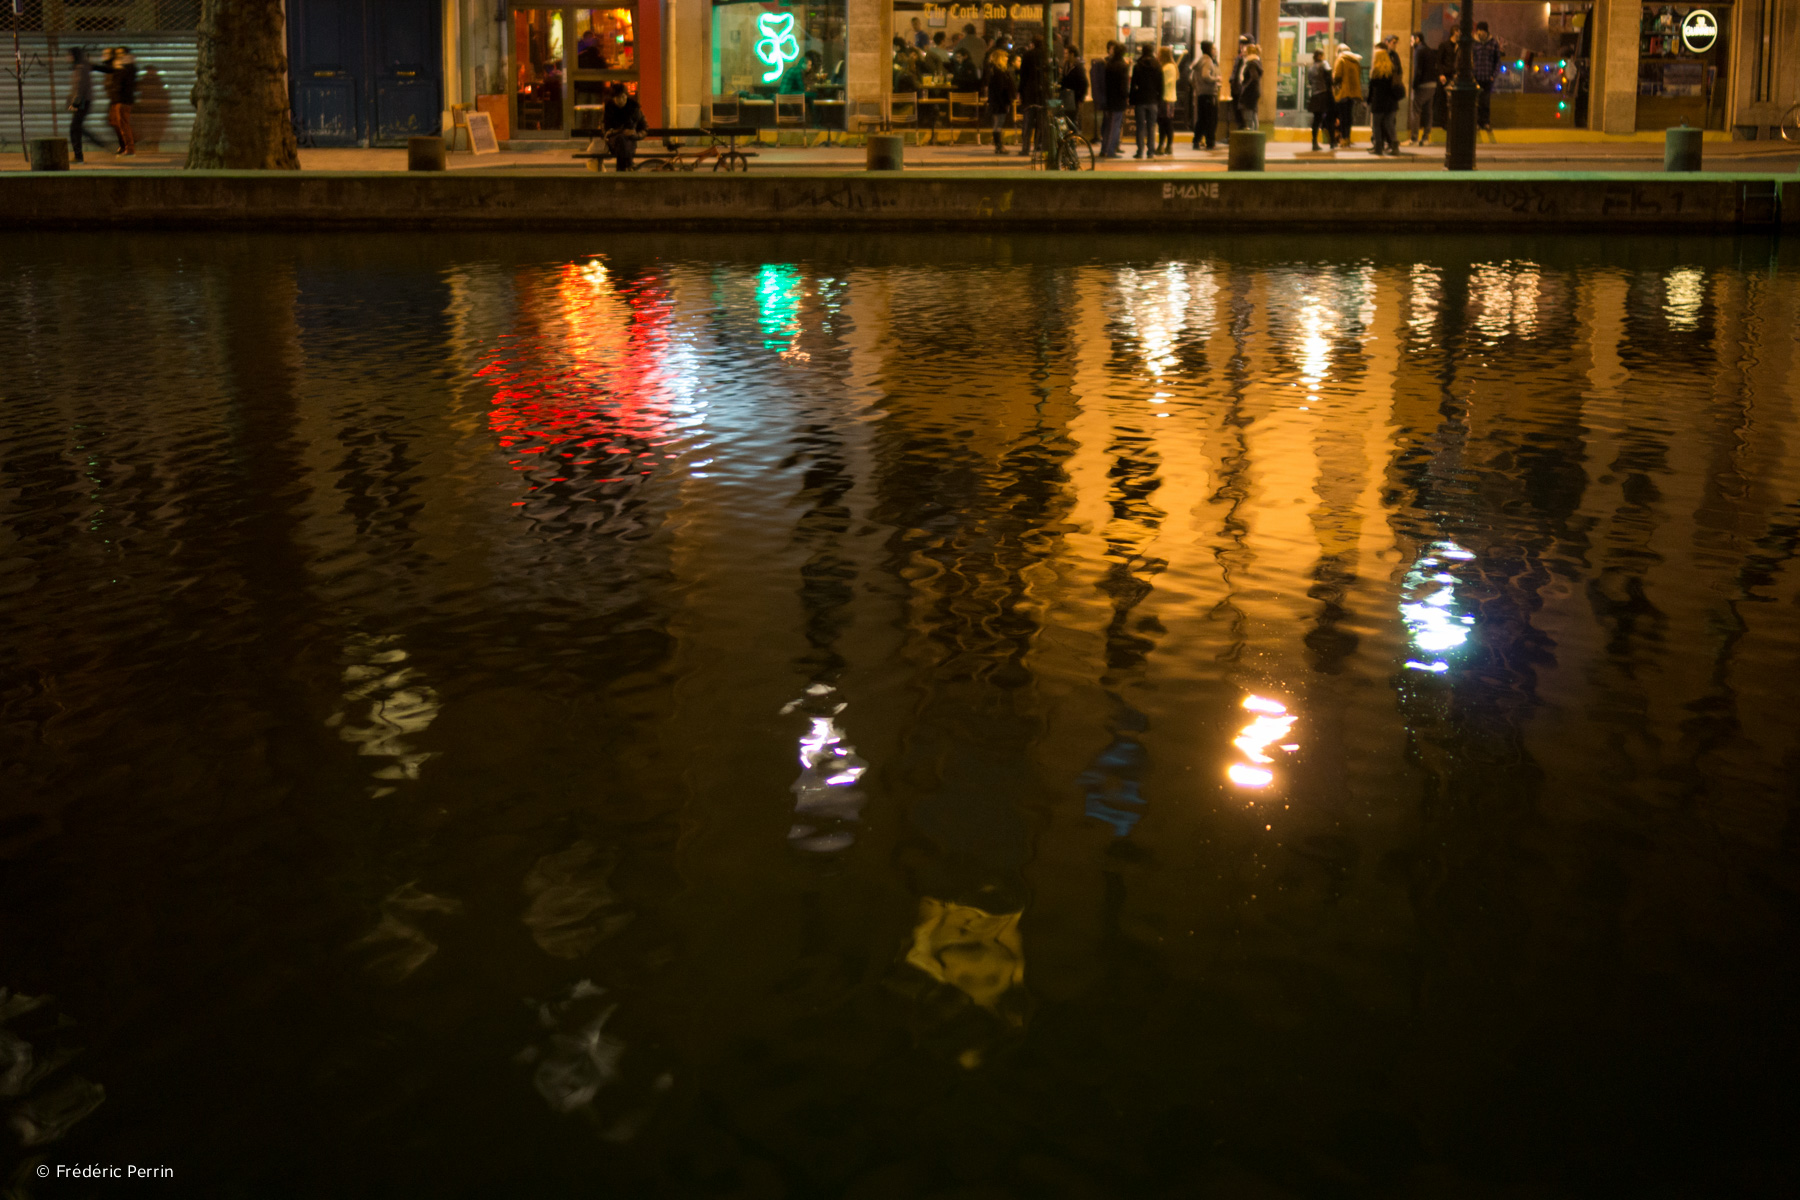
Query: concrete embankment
{"type": "Point", "coordinates": [995, 200]}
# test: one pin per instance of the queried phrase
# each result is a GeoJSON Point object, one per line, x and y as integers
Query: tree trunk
{"type": "Point", "coordinates": [240, 89]}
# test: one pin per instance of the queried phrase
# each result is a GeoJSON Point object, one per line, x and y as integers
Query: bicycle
{"type": "Point", "coordinates": [1065, 138]}
{"type": "Point", "coordinates": [1790, 124]}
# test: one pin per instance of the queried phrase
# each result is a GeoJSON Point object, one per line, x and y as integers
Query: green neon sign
{"type": "Point", "coordinates": [778, 47]}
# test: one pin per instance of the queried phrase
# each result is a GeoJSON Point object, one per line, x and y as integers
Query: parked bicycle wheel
{"type": "Point", "coordinates": [1076, 153]}
{"type": "Point", "coordinates": [1790, 124]}
{"type": "Point", "coordinates": [730, 161]}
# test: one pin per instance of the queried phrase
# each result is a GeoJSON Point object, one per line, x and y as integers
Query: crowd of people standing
{"type": "Point", "coordinates": [1148, 86]}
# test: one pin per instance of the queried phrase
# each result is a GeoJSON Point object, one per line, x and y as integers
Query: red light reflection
{"type": "Point", "coordinates": [582, 381]}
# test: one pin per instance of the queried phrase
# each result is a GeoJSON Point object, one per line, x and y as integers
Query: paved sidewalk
{"type": "Point", "coordinates": [1758, 157]}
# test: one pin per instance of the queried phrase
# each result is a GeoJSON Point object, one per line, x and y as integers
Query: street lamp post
{"type": "Point", "coordinates": [1459, 137]}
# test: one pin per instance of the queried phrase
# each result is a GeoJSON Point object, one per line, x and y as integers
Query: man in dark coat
{"type": "Point", "coordinates": [1446, 73]}
{"type": "Point", "coordinates": [1237, 79]}
{"type": "Point", "coordinates": [1146, 93]}
{"type": "Point", "coordinates": [1031, 92]}
{"type": "Point", "coordinates": [1424, 92]}
{"type": "Point", "coordinates": [1118, 96]}
{"type": "Point", "coordinates": [621, 124]}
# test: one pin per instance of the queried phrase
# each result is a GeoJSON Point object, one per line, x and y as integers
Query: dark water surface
{"type": "Point", "coordinates": [924, 716]}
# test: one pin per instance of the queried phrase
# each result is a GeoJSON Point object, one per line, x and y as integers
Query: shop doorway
{"type": "Point", "coordinates": [365, 73]}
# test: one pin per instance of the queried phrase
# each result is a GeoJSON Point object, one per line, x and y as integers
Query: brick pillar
{"type": "Point", "coordinates": [1095, 23]}
{"type": "Point", "coordinates": [1268, 36]}
{"type": "Point", "coordinates": [1612, 96]}
{"type": "Point", "coordinates": [688, 28]}
{"type": "Point", "coordinates": [868, 54]}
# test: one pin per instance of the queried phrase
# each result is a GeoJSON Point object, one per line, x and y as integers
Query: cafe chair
{"type": "Point", "coordinates": [790, 111]}
{"type": "Point", "coordinates": [965, 111]}
{"type": "Point", "coordinates": [868, 114]}
{"type": "Point", "coordinates": [903, 111]}
{"type": "Point", "coordinates": [725, 110]}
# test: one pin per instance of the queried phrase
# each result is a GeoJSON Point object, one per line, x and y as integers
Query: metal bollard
{"type": "Point", "coordinates": [49, 154]}
{"type": "Point", "coordinates": [1681, 148]}
{"type": "Point", "coordinates": [887, 152]}
{"type": "Point", "coordinates": [425, 154]}
{"type": "Point", "coordinates": [1246, 150]}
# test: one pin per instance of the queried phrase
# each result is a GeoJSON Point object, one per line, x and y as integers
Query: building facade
{"type": "Point", "coordinates": [372, 72]}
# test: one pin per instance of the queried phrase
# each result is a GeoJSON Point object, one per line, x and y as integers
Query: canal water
{"type": "Point", "coordinates": [924, 716]}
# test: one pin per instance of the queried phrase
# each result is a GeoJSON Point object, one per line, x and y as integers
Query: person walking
{"type": "Point", "coordinates": [1165, 113]}
{"type": "Point", "coordinates": [1118, 99]}
{"type": "Point", "coordinates": [81, 99]}
{"type": "Point", "coordinates": [120, 70]}
{"type": "Point", "coordinates": [1346, 89]}
{"type": "Point", "coordinates": [1386, 87]}
{"type": "Point", "coordinates": [1319, 102]}
{"type": "Point", "coordinates": [1424, 92]}
{"type": "Point", "coordinates": [1002, 90]}
{"type": "Point", "coordinates": [1484, 57]}
{"type": "Point", "coordinates": [1206, 97]}
{"type": "Point", "coordinates": [1248, 93]}
{"type": "Point", "coordinates": [1032, 99]}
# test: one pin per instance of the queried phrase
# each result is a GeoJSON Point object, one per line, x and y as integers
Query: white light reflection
{"type": "Point", "coordinates": [1423, 299]}
{"type": "Point", "coordinates": [1428, 607]}
{"type": "Point", "coordinates": [1270, 726]}
{"type": "Point", "coordinates": [1156, 307]}
{"type": "Point", "coordinates": [826, 797]}
{"type": "Point", "coordinates": [1507, 294]}
{"type": "Point", "coordinates": [1315, 347]}
{"type": "Point", "coordinates": [1685, 292]}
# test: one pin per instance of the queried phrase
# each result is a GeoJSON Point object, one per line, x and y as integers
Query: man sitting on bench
{"type": "Point", "coordinates": [621, 124]}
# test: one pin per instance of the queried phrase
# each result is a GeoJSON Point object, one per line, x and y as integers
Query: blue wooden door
{"type": "Point", "coordinates": [365, 72]}
{"type": "Point", "coordinates": [325, 66]}
{"type": "Point", "coordinates": [406, 63]}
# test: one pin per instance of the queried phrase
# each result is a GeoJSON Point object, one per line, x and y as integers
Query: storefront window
{"type": "Point", "coordinates": [1682, 58]}
{"type": "Point", "coordinates": [538, 73]}
{"type": "Point", "coordinates": [1322, 25]}
{"type": "Point", "coordinates": [1180, 27]}
{"type": "Point", "coordinates": [761, 48]}
{"type": "Point", "coordinates": [565, 61]}
{"type": "Point", "coordinates": [607, 40]}
{"type": "Point", "coordinates": [1543, 57]}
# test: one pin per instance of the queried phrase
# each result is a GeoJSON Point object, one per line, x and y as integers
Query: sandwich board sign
{"type": "Point", "coordinates": [481, 134]}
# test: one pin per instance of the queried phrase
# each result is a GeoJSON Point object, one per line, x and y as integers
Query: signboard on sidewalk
{"type": "Point", "coordinates": [481, 134]}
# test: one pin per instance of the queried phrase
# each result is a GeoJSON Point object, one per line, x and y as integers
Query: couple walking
{"type": "Point", "coordinates": [120, 70]}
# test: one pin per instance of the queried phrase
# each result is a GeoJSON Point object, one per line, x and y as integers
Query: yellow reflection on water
{"type": "Point", "coordinates": [978, 953]}
{"type": "Point", "coordinates": [1271, 725]}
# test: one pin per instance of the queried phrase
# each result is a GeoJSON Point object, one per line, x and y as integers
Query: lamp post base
{"type": "Point", "coordinates": [1459, 134]}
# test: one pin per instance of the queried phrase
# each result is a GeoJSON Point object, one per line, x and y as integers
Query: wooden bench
{"type": "Point", "coordinates": [721, 145]}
